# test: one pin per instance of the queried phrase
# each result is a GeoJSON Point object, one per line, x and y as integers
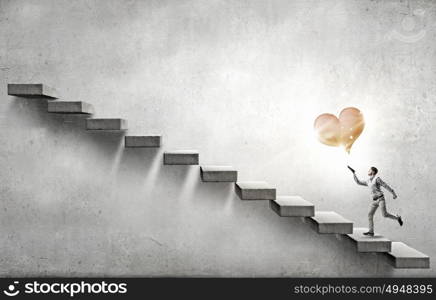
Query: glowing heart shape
{"type": "Point", "coordinates": [342, 131]}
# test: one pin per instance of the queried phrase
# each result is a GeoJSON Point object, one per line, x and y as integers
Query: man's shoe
{"type": "Point", "coordinates": [400, 220]}
{"type": "Point", "coordinates": [370, 233]}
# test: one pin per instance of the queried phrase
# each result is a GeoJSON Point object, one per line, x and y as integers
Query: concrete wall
{"type": "Point", "coordinates": [242, 82]}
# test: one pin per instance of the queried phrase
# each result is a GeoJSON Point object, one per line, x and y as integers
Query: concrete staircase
{"type": "Point", "coordinates": [181, 157]}
{"type": "Point", "coordinates": [36, 90]}
{"type": "Point", "coordinates": [255, 190]}
{"type": "Point", "coordinates": [292, 206]}
{"type": "Point", "coordinates": [218, 174]}
{"type": "Point", "coordinates": [398, 254]}
{"type": "Point", "coordinates": [363, 243]}
{"type": "Point", "coordinates": [142, 141]}
{"type": "Point", "coordinates": [106, 124]}
{"type": "Point", "coordinates": [70, 107]}
{"type": "Point", "coordinates": [330, 222]}
{"type": "Point", "coordinates": [405, 257]}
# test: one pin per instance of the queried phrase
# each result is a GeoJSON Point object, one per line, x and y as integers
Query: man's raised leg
{"type": "Point", "coordinates": [388, 215]}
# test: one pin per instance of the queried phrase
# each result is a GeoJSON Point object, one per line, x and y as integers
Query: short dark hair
{"type": "Point", "coordinates": [375, 170]}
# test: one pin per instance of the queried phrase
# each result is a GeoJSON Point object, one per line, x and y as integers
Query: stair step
{"type": "Point", "coordinates": [292, 206]}
{"type": "Point", "coordinates": [330, 222]}
{"type": "Point", "coordinates": [181, 157]}
{"type": "Point", "coordinates": [255, 190]}
{"type": "Point", "coordinates": [143, 141]}
{"type": "Point", "coordinates": [404, 257]}
{"type": "Point", "coordinates": [364, 243]}
{"type": "Point", "coordinates": [70, 107]}
{"type": "Point", "coordinates": [106, 124]}
{"type": "Point", "coordinates": [218, 174]}
{"type": "Point", "coordinates": [33, 90]}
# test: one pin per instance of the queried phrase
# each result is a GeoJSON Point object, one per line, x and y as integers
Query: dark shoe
{"type": "Point", "coordinates": [400, 220]}
{"type": "Point", "coordinates": [370, 233]}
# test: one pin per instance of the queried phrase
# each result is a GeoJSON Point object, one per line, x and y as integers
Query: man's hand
{"type": "Point", "coordinates": [351, 169]}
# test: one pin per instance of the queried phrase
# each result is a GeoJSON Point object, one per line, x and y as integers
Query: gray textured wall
{"type": "Point", "coordinates": [242, 82]}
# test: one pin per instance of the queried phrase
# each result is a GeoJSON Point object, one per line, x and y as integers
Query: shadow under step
{"type": "Point", "coordinates": [70, 107]}
{"type": "Point", "coordinates": [292, 206]}
{"type": "Point", "coordinates": [330, 222]}
{"type": "Point", "coordinates": [181, 157]}
{"type": "Point", "coordinates": [365, 243]}
{"type": "Point", "coordinates": [106, 124]}
{"type": "Point", "coordinates": [218, 174]}
{"type": "Point", "coordinates": [142, 141]}
{"type": "Point", "coordinates": [403, 256]}
{"type": "Point", "coordinates": [255, 190]}
{"type": "Point", "coordinates": [32, 90]}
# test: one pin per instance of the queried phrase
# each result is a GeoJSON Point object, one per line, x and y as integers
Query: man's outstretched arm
{"type": "Point", "coordinates": [387, 187]}
{"type": "Point", "coordinates": [358, 181]}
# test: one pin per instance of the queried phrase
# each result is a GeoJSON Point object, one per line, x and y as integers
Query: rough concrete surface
{"type": "Point", "coordinates": [218, 174]}
{"type": "Point", "coordinates": [292, 206]}
{"type": "Point", "coordinates": [143, 141]}
{"type": "Point", "coordinates": [242, 82]}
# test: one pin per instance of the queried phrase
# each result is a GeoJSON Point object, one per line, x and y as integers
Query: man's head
{"type": "Point", "coordinates": [372, 171]}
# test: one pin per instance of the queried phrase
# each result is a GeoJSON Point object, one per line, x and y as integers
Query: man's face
{"type": "Point", "coordinates": [370, 172]}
